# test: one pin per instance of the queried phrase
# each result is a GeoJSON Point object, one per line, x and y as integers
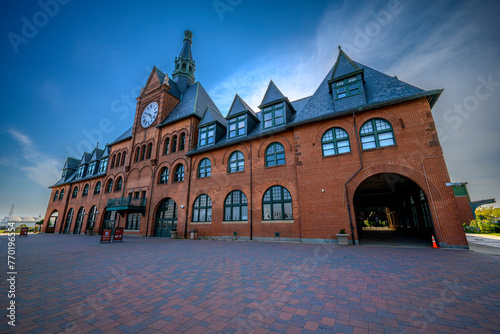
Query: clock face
{"type": "Point", "coordinates": [149, 114]}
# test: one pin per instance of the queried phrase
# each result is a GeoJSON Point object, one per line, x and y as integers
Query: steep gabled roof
{"type": "Point", "coordinates": [124, 136]}
{"type": "Point", "coordinates": [344, 65]}
{"type": "Point", "coordinates": [71, 163]}
{"type": "Point", "coordinates": [273, 94]}
{"type": "Point", "coordinates": [96, 154]}
{"type": "Point", "coordinates": [212, 116]}
{"type": "Point", "coordinates": [85, 158]}
{"type": "Point", "coordinates": [239, 106]}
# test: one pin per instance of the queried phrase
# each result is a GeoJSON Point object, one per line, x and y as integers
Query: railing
{"type": "Point", "coordinates": [127, 201]}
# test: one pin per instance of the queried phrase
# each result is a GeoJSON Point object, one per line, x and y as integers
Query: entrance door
{"type": "Point", "coordinates": [166, 218]}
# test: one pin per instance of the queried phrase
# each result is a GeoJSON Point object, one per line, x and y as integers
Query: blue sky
{"type": "Point", "coordinates": [70, 77]}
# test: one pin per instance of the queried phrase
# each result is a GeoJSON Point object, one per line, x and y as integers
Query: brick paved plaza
{"type": "Point", "coordinates": [71, 283]}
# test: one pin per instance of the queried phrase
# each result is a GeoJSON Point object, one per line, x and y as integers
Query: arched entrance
{"type": "Point", "coordinates": [391, 209]}
{"type": "Point", "coordinates": [166, 218]}
{"type": "Point", "coordinates": [51, 226]}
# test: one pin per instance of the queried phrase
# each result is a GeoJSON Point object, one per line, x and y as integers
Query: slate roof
{"type": "Point", "coordinates": [239, 106]}
{"type": "Point", "coordinates": [71, 163]}
{"type": "Point", "coordinates": [174, 89]}
{"type": "Point", "coordinates": [344, 65]}
{"type": "Point", "coordinates": [193, 103]}
{"type": "Point", "coordinates": [85, 158]}
{"type": "Point", "coordinates": [212, 116]}
{"type": "Point", "coordinates": [273, 94]}
{"type": "Point", "coordinates": [124, 136]}
{"type": "Point", "coordinates": [186, 49]}
{"type": "Point", "coordinates": [96, 154]}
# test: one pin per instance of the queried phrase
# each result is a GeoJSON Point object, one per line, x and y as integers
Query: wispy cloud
{"type": "Point", "coordinates": [38, 167]}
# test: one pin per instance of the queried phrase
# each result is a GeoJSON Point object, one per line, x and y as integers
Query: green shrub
{"type": "Point", "coordinates": [484, 226]}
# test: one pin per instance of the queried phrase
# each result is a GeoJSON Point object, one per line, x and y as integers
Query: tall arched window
{"type": "Point", "coordinates": [179, 173]}
{"type": "Point", "coordinates": [164, 176]}
{"type": "Point", "coordinates": [236, 162]}
{"type": "Point", "coordinates": [56, 195]}
{"type": "Point", "coordinates": [182, 142]}
{"type": "Point", "coordinates": [174, 144]}
{"type": "Point", "coordinates": [236, 206]}
{"type": "Point", "coordinates": [123, 158]}
{"type": "Point", "coordinates": [202, 209]}
{"type": "Point", "coordinates": [109, 188]}
{"type": "Point", "coordinates": [92, 218]}
{"type": "Point", "coordinates": [143, 152]}
{"type": "Point", "coordinates": [69, 219]}
{"type": "Point", "coordinates": [137, 153]}
{"type": "Point", "coordinates": [376, 132]}
{"type": "Point", "coordinates": [277, 204]}
{"type": "Point", "coordinates": [335, 141]}
{"type": "Point", "coordinates": [113, 161]}
{"type": "Point", "coordinates": [97, 189]}
{"type": "Point", "coordinates": [61, 195]}
{"type": "Point", "coordinates": [118, 159]}
{"type": "Point", "coordinates": [79, 221]}
{"type": "Point", "coordinates": [85, 190]}
{"type": "Point", "coordinates": [275, 155]}
{"type": "Point", "coordinates": [150, 148]}
{"type": "Point", "coordinates": [204, 168]}
{"type": "Point", "coordinates": [75, 192]}
{"type": "Point", "coordinates": [119, 182]}
{"type": "Point", "coordinates": [167, 146]}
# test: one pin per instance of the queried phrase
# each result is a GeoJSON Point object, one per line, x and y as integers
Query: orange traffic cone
{"type": "Point", "coordinates": [434, 245]}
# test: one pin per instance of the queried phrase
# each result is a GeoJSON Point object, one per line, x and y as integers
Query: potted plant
{"type": "Point", "coordinates": [173, 234]}
{"type": "Point", "coordinates": [89, 231]}
{"type": "Point", "coordinates": [343, 238]}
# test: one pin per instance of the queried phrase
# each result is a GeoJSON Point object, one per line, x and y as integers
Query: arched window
{"type": "Point", "coordinates": [167, 146]}
{"type": "Point", "coordinates": [174, 144]}
{"type": "Point", "coordinates": [97, 189]}
{"type": "Point", "coordinates": [123, 158]}
{"type": "Point", "coordinates": [85, 190]}
{"type": "Point", "coordinates": [376, 133]}
{"type": "Point", "coordinates": [202, 209]}
{"type": "Point", "coordinates": [236, 162]}
{"type": "Point", "coordinates": [69, 219]}
{"type": "Point", "coordinates": [183, 66]}
{"type": "Point", "coordinates": [182, 142]}
{"type": "Point", "coordinates": [277, 204]}
{"type": "Point", "coordinates": [109, 188]}
{"type": "Point", "coordinates": [179, 173]}
{"type": "Point", "coordinates": [137, 153]}
{"type": "Point", "coordinates": [119, 159]}
{"type": "Point", "coordinates": [275, 155]}
{"type": "Point", "coordinates": [119, 182]}
{"type": "Point", "coordinates": [190, 69]}
{"type": "Point", "coordinates": [204, 168]}
{"type": "Point", "coordinates": [236, 206]}
{"type": "Point", "coordinates": [61, 195]}
{"type": "Point", "coordinates": [143, 152]}
{"type": "Point", "coordinates": [79, 221]}
{"type": "Point", "coordinates": [150, 148]}
{"type": "Point", "coordinates": [113, 161]}
{"type": "Point", "coordinates": [75, 192]}
{"type": "Point", "coordinates": [92, 218]}
{"type": "Point", "coordinates": [335, 141]}
{"type": "Point", "coordinates": [164, 176]}
{"type": "Point", "coordinates": [56, 195]}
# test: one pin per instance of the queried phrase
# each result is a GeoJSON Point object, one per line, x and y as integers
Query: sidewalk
{"type": "Point", "coordinates": [484, 243]}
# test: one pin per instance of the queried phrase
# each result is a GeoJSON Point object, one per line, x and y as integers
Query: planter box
{"type": "Point", "coordinates": [343, 239]}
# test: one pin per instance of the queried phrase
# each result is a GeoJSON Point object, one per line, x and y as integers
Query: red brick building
{"type": "Point", "coordinates": [361, 153]}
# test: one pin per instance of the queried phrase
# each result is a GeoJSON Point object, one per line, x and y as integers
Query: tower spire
{"type": "Point", "coordinates": [185, 66]}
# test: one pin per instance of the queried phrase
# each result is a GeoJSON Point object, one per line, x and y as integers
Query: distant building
{"type": "Point", "coordinates": [18, 221]}
{"type": "Point", "coordinates": [363, 146]}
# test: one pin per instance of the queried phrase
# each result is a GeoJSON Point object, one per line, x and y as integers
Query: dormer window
{"type": "Point", "coordinates": [103, 165]}
{"type": "Point", "coordinates": [80, 171]}
{"type": "Point", "coordinates": [64, 173]}
{"type": "Point", "coordinates": [91, 168]}
{"type": "Point", "coordinates": [207, 135]}
{"type": "Point", "coordinates": [274, 115]}
{"type": "Point", "coordinates": [237, 126]}
{"type": "Point", "coordinates": [347, 87]}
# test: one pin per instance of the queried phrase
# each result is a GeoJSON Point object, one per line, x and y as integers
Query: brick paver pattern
{"type": "Point", "coordinates": [73, 284]}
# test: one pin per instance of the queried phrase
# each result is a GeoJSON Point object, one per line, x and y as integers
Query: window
{"type": "Point", "coordinates": [133, 221]}
{"type": "Point", "coordinates": [79, 221]}
{"type": "Point", "coordinates": [64, 173]}
{"type": "Point", "coordinates": [376, 133]}
{"type": "Point", "coordinates": [103, 165]}
{"type": "Point", "coordinates": [69, 219]}
{"type": "Point", "coordinates": [80, 171]}
{"type": "Point", "coordinates": [236, 126]}
{"type": "Point", "coordinates": [150, 148]}
{"type": "Point", "coordinates": [61, 195]}
{"type": "Point", "coordinates": [56, 195]}
{"type": "Point", "coordinates": [123, 158]}
{"type": "Point", "coordinates": [174, 144]}
{"type": "Point", "coordinates": [91, 169]}
{"type": "Point", "coordinates": [118, 186]}
{"type": "Point", "coordinates": [75, 192]}
{"type": "Point", "coordinates": [167, 146]}
{"type": "Point", "coordinates": [277, 204]}
{"type": "Point", "coordinates": [163, 176]}
{"type": "Point", "coordinates": [182, 142]}
{"type": "Point", "coordinates": [179, 173]}
{"type": "Point", "coordinates": [236, 162]}
{"type": "Point", "coordinates": [204, 168]}
{"type": "Point", "coordinates": [118, 160]}
{"type": "Point", "coordinates": [85, 190]}
{"type": "Point", "coordinates": [110, 186]}
{"type": "Point", "coordinates": [236, 206]}
{"type": "Point", "coordinates": [347, 87]}
{"type": "Point", "coordinates": [202, 209]}
{"type": "Point", "coordinates": [143, 152]}
{"type": "Point", "coordinates": [97, 189]}
{"type": "Point", "coordinates": [335, 141]}
{"type": "Point", "coordinates": [92, 217]}
{"type": "Point", "coordinates": [274, 115]}
{"type": "Point", "coordinates": [137, 153]}
{"type": "Point", "coordinates": [275, 155]}
{"type": "Point", "coordinates": [207, 135]}
{"type": "Point", "coordinates": [113, 161]}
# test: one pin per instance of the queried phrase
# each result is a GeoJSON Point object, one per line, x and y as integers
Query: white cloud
{"type": "Point", "coordinates": [38, 167]}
